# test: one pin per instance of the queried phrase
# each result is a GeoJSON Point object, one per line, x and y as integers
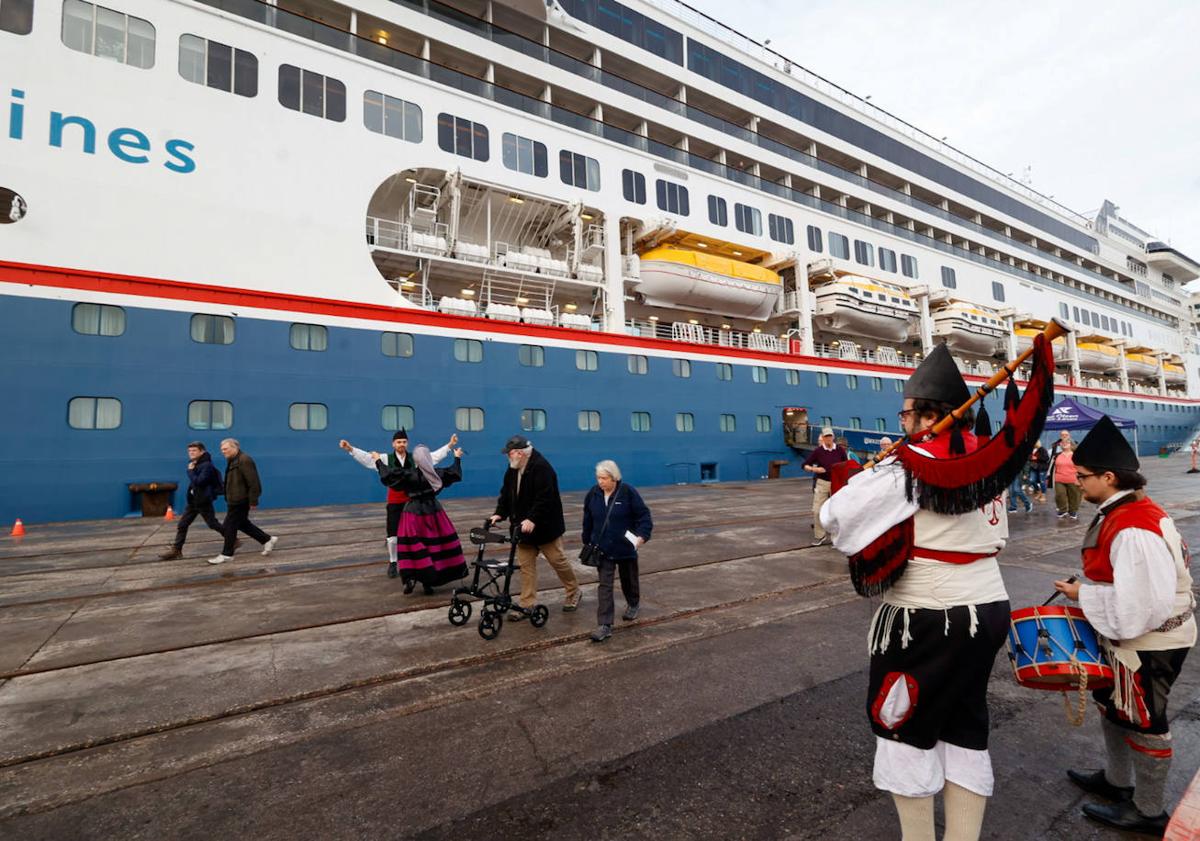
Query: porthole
{"type": "Point", "coordinates": [12, 207]}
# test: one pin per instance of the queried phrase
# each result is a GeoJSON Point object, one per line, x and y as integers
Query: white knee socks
{"type": "Point", "coordinates": [964, 813]}
{"type": "Point", "coordinates": [391, 549]}
{"type": "Point", "coordinates": [916, 817]}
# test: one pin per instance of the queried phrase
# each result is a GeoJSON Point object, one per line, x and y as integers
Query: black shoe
{"type": "Point", "coordinates": [392, 570]}
{"type": "Point", "coordinates": [1125, 815]}
{"type": "Point", "coordinates": [410, 585]}
{"type": "Point", "coordinates": [631, 612]}
{"type": "Point", "coordinates": [428, 590]}
{"type": "Point", "coordinates": [1095, 782]}
{"type": "Point", "coordinates": [602, 633]}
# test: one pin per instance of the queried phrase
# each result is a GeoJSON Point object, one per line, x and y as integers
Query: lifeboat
{"type": "Point", "coordinates": [1141, 366]}
{"type": "Point", "coordinates": [861, 307]}
{"type": "Point", "coordinates": [966, 328]}
{"type": "Point", "coordinates": [1025, 341]}
{"type": "Point", "coordinates": [680, 277]}
{"type": "Point", "coordinates": [1097, 358]}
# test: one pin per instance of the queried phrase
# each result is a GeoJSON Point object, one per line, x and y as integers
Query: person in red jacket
{"type": "Point", "coordinates": [1138, 597]}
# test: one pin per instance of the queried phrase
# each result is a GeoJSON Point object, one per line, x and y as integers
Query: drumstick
{"type": "Point", "coordinates": [1070, 580]}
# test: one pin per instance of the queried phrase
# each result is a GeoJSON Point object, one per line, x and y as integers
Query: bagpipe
{"type": "Point", "coordinates": [966, 481]}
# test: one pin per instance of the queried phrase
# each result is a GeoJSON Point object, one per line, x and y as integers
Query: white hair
{"type": "Point", "coordinates": [610, 467]}
{"type": "Point", "coordinates": [233, 441]}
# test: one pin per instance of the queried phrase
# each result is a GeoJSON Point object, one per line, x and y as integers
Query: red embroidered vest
{"type": "Point", "coordinates": [1140, 514]}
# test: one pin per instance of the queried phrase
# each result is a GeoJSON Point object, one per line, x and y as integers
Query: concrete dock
{"type": "Point", "coordinates": [302, 695]}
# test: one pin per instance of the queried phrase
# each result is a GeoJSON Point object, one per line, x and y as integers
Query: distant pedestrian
{"type": "Point", "coordinates": [204, 486]}
{"type": "Point", "coordinates": [428, 549]}
{"type": "Point", "coordinates": [529, 499]}
{"type": "Point", "coordinates": [616, 522]}
{"type": "Point", "coordinates": [1016, 492]}
{"type": "Point", "coordinates": [398, 458]}
{"type": "Point", "coordinates": [1039, 463]}
{"type": "Point", "coordinates": [1195, 468]}
{"type": "Point", "coordinates": [884, 443]}
{"type": "Point", "coordinates": [1067, 493]}
{"type": "Point", "coordinates": [844, 443]}
{"type": "Point", "coordinates": [820, 463]}
{"type": "Point", "coordinates": [242, 491]}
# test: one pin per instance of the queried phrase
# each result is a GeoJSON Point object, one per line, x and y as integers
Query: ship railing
{"type": "Point", "coordinates": [386, 233]}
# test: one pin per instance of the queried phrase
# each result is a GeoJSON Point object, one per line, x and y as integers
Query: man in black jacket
{"type": "Point", "coordinates": [242, 490]}
{"type": "Point", "coordinates": [204, 486]}
{"type": "Point", "coordinates": [529, 499]}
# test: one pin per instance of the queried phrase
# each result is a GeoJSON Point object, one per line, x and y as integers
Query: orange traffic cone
{"type": "Point", "coordinates": [18, 529]}
{"type": "Point", "coordinates": [170, 515]}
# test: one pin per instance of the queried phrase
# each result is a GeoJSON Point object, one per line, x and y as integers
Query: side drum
{"type": "Point", "coordinates": [1054, 647]}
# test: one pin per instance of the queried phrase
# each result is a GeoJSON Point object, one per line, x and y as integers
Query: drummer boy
{"type": "Point", "coordinates": [1139, 597]}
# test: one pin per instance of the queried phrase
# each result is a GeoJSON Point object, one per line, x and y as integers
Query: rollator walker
{"type": "Point", "coordinates": [490, 584]}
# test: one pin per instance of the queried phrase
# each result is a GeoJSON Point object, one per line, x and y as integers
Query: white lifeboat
{"type": "Point", "coordinates": [1175, 374]}
{"type": "Point", "coordinates": [1097, 357]}
{"type": "Point", "coordinates": [1141, 366]}
{"type": "Point", "coordinates": [967, 328]}
{"type": "Point", "coordinates": [682, 278]}
{"type": "Point", "coordinates": [857, 306]}
{"type": "Point", "coordinates": [1025, 341]}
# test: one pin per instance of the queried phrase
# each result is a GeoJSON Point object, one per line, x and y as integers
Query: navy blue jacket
{"type": "Point", "coordinates": [629, 513]}
{"type": "Point", "coordinates": [204, 481]}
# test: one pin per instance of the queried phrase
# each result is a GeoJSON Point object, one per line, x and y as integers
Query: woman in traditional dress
{"type": "Point", "coordinates": [428, 549]}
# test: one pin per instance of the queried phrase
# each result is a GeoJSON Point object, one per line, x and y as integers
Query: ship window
{"type": "Point", "coordinates": [586, 360]}
{"type": "Point", "coordinates": [781, 229]}
{"type": "Point", "coordinates": [681, 368]}
{"type": "Point", "coordinates": [876, 384]}
{"type": "Point", "coordinates": [851, 381]}
{"type": "Point", "coordinates": [210, 414]}
{"type": "Point", "coordinates": [97, 320]}
{"type": "Point", "coordinates": [468, 350]}
{"type": "Point", "coordinates": [533, 420]}
{"type": "Point", "coordinates": [107, 33]}
{"type": "Point", "coordinates": [633, 27]}
{"type": "Point", "coordinates": [579, 170]}
{"type": "Point", "coordinates": [839, 246]}
{"type": "Point", "coordinates": [791, 377]}
{"type": "Point", "coordinates": [394, 117]}
{"type": "Point", "coordinates": [880, 424]}
{"type": "Point", "coordinates": [396, 344]}
{"type": "Point", "coordinates": [16, 16]}
{"type": "Point", "coordinates": [531, 356]}
{"type": "Point", "coordinates": [468, 419]}
{"type": "Point", "coordinates": [397, 417]}
{"type": "Point", "coordinates": [898, 384]}
{"type": "Point", "coordinates": [1064, 310]}
{"type": "Point", "coordinates": [864, 253]}
{"type": "Point", "coordinates": [856, 423]}
{"type": "Point", "coordinates": [637, 364]}
{"type": "Point", "coordinates": [1087, 318]}
{"type": "Point", "coordinates": [1104, 322]}
{"type": "Point", "coordinates": [908, 265]}
{"type": "Point", "coordinates": [312, 93]}
{"type": "Point", "coordinates": [887, 260]}
{"type": "Point", "coordinates": [589, 421]}
{"type": "Point", "coordinates": [217, 66]}
{"type": "Point", "coordinates": [814, 239]}
{"type": "Point", "coordinates": [762, 423]}
{"type": "Point", "coordinates": [94, 413]}
{"type": "Point", "coordinates": [212, 329]}
{"type": "Point", "coordinates": [724, 371]}
{"type": "Point", "coordinates": [672, 197]}
{"type": "Point", "coordinates": [633, 186]}
{"type": "Point", "coordinates": [949, 279]}
{"type": "Point", "coordinates": [639, 421]}
{"type": "Point", "coordinates": [729, 423]}
{"type": "Point", "coordinates": [747, 219]}
{"type": "Point", "coordinates": [685, 422]}
{"type": "Point", "coordinates": [997, 290]}
{"type": "Point", "coordinates": [758, 374]}
{"type": "Point", "coordinates": [822, 380]}
{"type": "Point", "coordinates": [309, 337]}
{"type": "Point", "coordinates": [462, 137]}
{"type": "Point", "coordinates": [718, 211]}
{"type": "Point", "coordinates": [524, 155]}
{"type": "Point", "coordinates": [310, 417]}
{"type": "Point", "coordinates": [1075, 312]}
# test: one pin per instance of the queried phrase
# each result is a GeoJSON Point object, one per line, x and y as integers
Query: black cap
{"type": "Point", "coordinates": [517, 442]}
{"type": "Point", "coordinates": [1105, 448]}
{"type": "Point", "coordinates": [198, 445]}
{"type": "Point", "coordinates": [937, 378]}
{"type": "Point", "coordinates": [401, 435]}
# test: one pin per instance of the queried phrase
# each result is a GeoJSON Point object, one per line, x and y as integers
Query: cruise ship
{"type": "Point", "coordinates": [623, 229]}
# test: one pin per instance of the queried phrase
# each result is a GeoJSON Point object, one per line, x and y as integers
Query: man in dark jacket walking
{"type": "Point", "coordinates": [529, 499]}
{"type": "Point", "coordinates": [242, 490]}
{"type": "Point", "coordinates": [204, 486]}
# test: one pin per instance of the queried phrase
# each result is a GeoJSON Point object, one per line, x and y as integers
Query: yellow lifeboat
{"type": "Point", "coordinates": [1025, 340]}
{"type": "Point", "coordinates": [1141, 366]}
{"type": "Point", "coordinates": [857, 306]}
{"type": "Point", "coordinates": [967, 328]}
{"type": "Point", "coordinates": [1097, 357]}
{"type": "Point", "coordinates": [680, 277]}
{"type": "Point", "coordinates": [1175, 374]}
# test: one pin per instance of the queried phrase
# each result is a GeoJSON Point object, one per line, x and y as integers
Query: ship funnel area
{"type": "Point", "coordinates": [469, 248]}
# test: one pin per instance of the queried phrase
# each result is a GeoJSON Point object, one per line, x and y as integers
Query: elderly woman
{"type": "Point", "coordinates": [616, 521]}
{"type": "Point", "coordinates": [428, 549]}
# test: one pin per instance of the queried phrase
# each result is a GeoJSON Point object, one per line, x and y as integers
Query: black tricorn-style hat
{"type": "Point", "coordinates": [1105, 448]}
{"type": "Point", "coordinates": [937, 378]}
{"type": "Point", "coordinates": [401, 435]}
{"type": "Point", "coordinates": [517, 442]}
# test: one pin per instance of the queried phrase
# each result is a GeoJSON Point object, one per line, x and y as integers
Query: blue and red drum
{"type": "Point", "coordinates": [1054, 647]}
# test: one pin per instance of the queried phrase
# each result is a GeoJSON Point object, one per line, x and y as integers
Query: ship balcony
{"type": "Point", "coordinates": [1171, 261]}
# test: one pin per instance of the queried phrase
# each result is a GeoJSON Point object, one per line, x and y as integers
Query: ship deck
{"type": "Point", "coordinates": [302, 695]}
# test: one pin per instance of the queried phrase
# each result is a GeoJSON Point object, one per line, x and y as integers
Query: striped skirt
{"type": "Point", "coordinates": [428, 550]}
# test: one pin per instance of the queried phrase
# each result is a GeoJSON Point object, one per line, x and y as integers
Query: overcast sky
{"type": "Point", "coordinates": [1100, 98]}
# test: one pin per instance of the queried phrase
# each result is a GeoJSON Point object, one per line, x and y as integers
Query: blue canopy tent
{"type": "Point", "coordinates": [1067, 414]}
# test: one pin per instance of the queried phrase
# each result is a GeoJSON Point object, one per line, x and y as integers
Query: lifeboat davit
{"type": "Point", "coordinates": [861, 307]}
{"type": "Point", "coordinates": [966, 328]}
{"type": "Point", "coordinates": [682, 278]}
{"type": "Point", "coordinates": [1097, 358]}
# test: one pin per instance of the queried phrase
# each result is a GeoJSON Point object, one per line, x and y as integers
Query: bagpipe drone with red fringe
{"type": "Point", "coordinates": [963, 482]}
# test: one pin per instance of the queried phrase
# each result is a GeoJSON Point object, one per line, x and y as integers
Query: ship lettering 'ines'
{"type": "Point", "coordinates": [126, 144]}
